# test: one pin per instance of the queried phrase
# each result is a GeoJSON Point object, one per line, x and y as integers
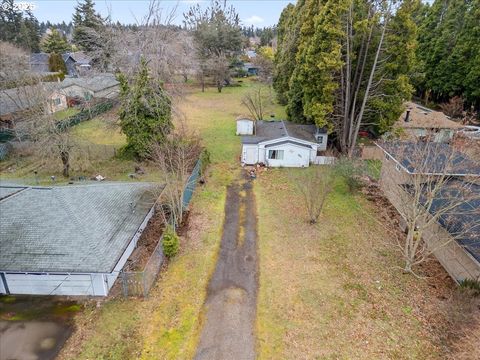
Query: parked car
{"type": "Point", "coordinates": [471, 131]}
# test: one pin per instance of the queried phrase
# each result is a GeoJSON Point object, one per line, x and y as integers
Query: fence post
{"type": "Point", "coordinates": [145, 291]}
{"type": "Point", "coordinates": [124, 283]}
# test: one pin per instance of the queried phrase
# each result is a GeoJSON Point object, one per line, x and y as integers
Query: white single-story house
{"type": "Point", "coordinates": [69, 240]}
{"type": "Point", "coordinates": [282, 143]}
{"type": "Point", "coordinates": [419, 122]}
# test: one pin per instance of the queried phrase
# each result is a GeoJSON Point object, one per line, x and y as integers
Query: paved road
{"type": "Point", "coordinates": [228, 331]}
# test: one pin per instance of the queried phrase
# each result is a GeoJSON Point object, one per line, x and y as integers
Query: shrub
{"type": "Point", "coordinates": [205, 161]}
{"type": "Point", "coordinates": [170, 243]}
{"type": "Point", "coordinates": [351, 171]}
{"type": "Point", "coordinates": [473, 285]}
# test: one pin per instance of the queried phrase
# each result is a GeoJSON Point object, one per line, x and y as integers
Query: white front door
{"type": "Point", "coordinates": [250, 155]}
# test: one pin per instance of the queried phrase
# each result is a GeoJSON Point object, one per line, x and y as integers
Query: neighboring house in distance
{"type": "Point", "coordinates": [459, 255]}
{"type": "Point", "coordinates": [77, 63]}
{"type": "Point", "coordinates": [98, 86]}
{"type": "Point", "coordinates": [69, 240]}
{"type": "Point", "coordinates": [421, 122]}
{"type": "Point", "coordinates": [15, 101]}
{"type": "Point", "coordinates": [251, 54]}
{"type": "Point", "coordinates": [250, 69]}
{"type": "Point", "coordinates": [282, 143]}
{"type": "Point", "coordinates": [39, 63]}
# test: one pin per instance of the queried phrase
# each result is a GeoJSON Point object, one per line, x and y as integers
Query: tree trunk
{"type": "Point", "coordinates": [353, 140]}
{"type": "Point", "coordinates": [66, 163]}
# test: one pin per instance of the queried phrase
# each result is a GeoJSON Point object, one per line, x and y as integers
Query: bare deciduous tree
{"type": "Point", "coordinates": [176, 158]}
{"type": "Point", "coordinates": [314, 184]}
{"type": "Point", "coordinates": [454, 107]}
{"type": "Point", "coordinates": [14, 67]}
{"type": "Point", "coordinates": [436, 191]}
{"type": "Point", "coordinates": [255, 101]}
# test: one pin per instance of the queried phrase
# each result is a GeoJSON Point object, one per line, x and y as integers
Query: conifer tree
{"type": "Point", "coordinates": [145, 114]}
{"type": "Point", "coordinates": [55, 43]}
{"type": "Point", "coordinates": [87, 26]}
{"type": "Point", "coordinates": [56, 63]}
{"type": "Point", "coordinates": [288, 30]}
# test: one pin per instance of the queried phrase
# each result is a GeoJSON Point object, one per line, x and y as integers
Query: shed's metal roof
{"type": "Point", "coordinates": [78, 228]}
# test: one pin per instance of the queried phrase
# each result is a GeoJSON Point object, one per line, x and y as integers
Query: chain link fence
{"type": "Point", "coordinates": [139, 283]}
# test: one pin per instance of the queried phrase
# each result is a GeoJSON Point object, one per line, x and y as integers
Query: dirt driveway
{"type": "Point", "coordinates": [230, 308]}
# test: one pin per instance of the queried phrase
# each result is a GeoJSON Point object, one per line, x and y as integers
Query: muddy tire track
{"type": "Point", "coordinates": [230, 307]}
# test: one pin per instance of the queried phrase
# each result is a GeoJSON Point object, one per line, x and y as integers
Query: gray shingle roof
{"type": "Point", "coordinates": [270, 130]}
{"type": "Point", "coordinates": [79, 57]}
{"type": "Point", "coordinates": [462, 221]}
{"type": "Point", "coordinates": [431, 158]}
{"type": "Point", "coordinates": [39, 62]}
{"type": "Point", "coordinates": [94, 83]}
{"type": "Point", "coordinates": [24, 97]}
{"type": "Point", "coordinates": [79, 228]}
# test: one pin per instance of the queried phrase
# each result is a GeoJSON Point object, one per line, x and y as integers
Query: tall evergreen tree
{"type": "Point", "coordinates": [352, 65]}
{"type": "Point", "coordinates": [145, 114]}
{"type": "Point", "coordinates": [18, 27]}
{"type": "Point", "coordinates": [288, 31]}
{"type": "Point", "coordinates": [306, 16]}
{"type": "Point", "coordinates": [449, 51]}
{"type": "Point", "coordinates": [55, 43]}
{"type": "Point", "coordinates": [87, 26]}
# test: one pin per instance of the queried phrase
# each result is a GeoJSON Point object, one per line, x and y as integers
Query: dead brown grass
{"type": "Point", "coordinates": [335, 290]}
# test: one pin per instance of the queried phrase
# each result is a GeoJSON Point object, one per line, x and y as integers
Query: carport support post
{"type": "Point", "coordinates": [5, 285]}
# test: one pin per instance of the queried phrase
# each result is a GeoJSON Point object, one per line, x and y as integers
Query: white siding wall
{"type": "Point", "coordinates": [293, 156]}
{"type": "Point", "coordinates": [323, 145]}
{"type": "Point", "coordinates": [50, 284]}
{"type": "Point", "coordinates": [250, 154]}
{"type": "Point", "coordinates": [244, 127]}
{"type": "Point", "coordinates": [71, 284]}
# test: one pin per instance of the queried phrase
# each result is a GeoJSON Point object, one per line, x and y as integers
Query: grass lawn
{"type": "Point", "coordinates": [96, 145]}
{"type": "Point", "coordinates": [167, 324]}
{"type": "Point", "coordinates": [66, 113]}
{"type": "Point", "coordinates": [332, 290]}
{"type": "Point", "coordinates": [326, 292]}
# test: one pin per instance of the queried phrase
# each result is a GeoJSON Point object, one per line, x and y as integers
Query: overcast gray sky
{"type": "Point", "coordinates": [257, 13]}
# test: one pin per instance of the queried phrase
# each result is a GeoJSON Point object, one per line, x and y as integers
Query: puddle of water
{"type": "Point", "coordinates": [34, 327]}
{"type": "Point", "coordinates": [32, 340]}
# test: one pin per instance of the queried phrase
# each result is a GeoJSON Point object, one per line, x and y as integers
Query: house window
{"type": "Point", "coordinates": [57, 101]}
{"type": "Point", "coordinates": [275, 154]}
{"type": "Point", "coordinates": [320, 139]}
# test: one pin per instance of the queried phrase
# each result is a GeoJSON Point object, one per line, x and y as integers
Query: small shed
{"type": "Point", "coordinates": [245, 126]}
{"type": "Point", "coordinates": [69, 240]}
